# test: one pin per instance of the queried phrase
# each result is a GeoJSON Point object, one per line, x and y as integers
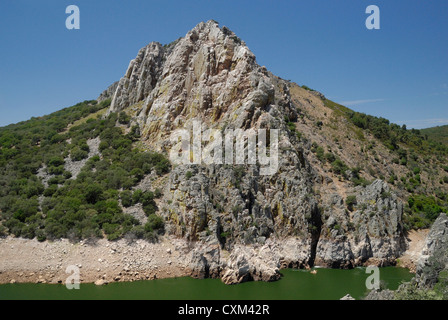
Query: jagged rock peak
{"type": "Point", "coordinates": [206, 50]}
{"type": "Point", "coordinates": [209, 75]}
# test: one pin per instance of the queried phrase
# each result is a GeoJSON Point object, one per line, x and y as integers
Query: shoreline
{"type": "Point", "coordinates": [416, 243]}
{"type": "Point", "coordinates": [102, 261]}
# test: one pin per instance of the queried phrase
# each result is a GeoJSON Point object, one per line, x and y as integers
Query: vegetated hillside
{"type": "Point", "coordinates": [358, 148]}
{"type": "Point", "coordinates": [336, 198]}
{"type": "Point", "coordinates": [439, 133]}
{"type": "Point", "coordinates": [67, 183]}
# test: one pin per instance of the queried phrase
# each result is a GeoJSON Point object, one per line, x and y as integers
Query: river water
{"type": "Point", "coordinates": [326, 284]}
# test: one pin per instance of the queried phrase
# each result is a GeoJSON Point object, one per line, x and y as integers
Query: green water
{"type": "Point", "coordinates": [327, 284]}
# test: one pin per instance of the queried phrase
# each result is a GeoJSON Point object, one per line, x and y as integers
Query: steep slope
{"type": "Point", "coordinates": [297, 215]}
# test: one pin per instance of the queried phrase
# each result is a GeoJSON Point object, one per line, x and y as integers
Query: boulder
{"type": "Point", "coordinates": [101, 282]}
{"type": "Point", "coordinates": [347, 297]}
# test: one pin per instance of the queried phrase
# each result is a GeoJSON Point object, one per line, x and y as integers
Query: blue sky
{"type": "Point", "coordinates": [399, 72]}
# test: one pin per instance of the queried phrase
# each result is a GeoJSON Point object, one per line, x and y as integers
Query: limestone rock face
{"type": "Point", "coordinates": [246, 265]}
{"type": "Point", "coordinates": [372, 231]}
{"type": "Point", "coordinates": [140, 78]}
{"type": "Point", "coordinates": [434, 257]}
{"type": "Point", "coordinates": [209, 74]}
{"type": "Point", "coordinates": [246, 224]}
{"type": "Point", "coordinates": [108, 93]}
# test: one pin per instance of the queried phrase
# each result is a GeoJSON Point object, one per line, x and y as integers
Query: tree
{"type": "Point", "coordinates": [154, 222]}
{"type": "Point", "coordinates": [78, 154]}
{"type": "Point", "coordinates": [126, 198]}
{"type": "Point", "coordinates": [136, 196]}
{"type": "Point", "coordinates": [93, 193]}
{"type": "Point", "coordinates": [123, 118]}
{"type": "Point", "coordinates": [56, 161]}
{"type": "Point", "coordinates": [138, 174]}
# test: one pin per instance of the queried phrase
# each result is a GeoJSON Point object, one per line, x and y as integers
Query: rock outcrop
{"type": "Point", "coordinates": [372, 230]}
{"type": "Point", "coordinates": [108, 93]}
{"type": "Point", "coordinates": [434, 257]}
{"type": "Point", "coordinates": [248, 224]}
{"type": "Point", "coordinates": [433, 261]}
{"type": "Point", "coordinates": [375, 295]}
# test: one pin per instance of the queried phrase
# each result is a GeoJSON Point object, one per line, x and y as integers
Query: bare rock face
{"type": "Point", "coordinates": [108, 93]}
{"type": "Point", "coordinates": [247, 262]}
{"type": "Point", "coordinates": [372, 232]}
{"type": "Point", "coordinates": [140, 78]}
{"type": "Point", "coordinates": [209, 74]}
{"type": "Point", "coordinates": [247, 225]}
{"type": "Point", "coordinates": [434, 257]}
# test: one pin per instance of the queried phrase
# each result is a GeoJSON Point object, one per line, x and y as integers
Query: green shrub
{"type": "Point", "coordinates": [385, 195]}
{"type": "Point", "coordinates": [3, 231]}
{"type": "Point", "coordinates": [103, 146]}
{"type": "Point", "coordinates": [50, 190]}
{"type": "Point", "coordinates": [307, 88]}
{"type": "Point", "coordinates": [330, 157]}
{"type": "Point", "coordinates": [93, 193]}
{"type": "Point", "coordinates": [56, 161]}
{"type": "Point", "coordinates": [225, 235]}
{"type": "Point", "coordinates": [126, 198]}
{"type": "Point", "coordinates": [392, 179]}
{"type": "Point", "coordinates": [154, 222]}
{"type": "Point", "coordinates": [77, 154]}
{"type": "Point", "coordinates": [67, 174]}
{"type": "Point", "coordinates": [157, 193]}
{"type": "Point", "coordinates": [123, 118]}
{"type": "Point", "coordinates": [320, 153]}
{"type": "Point", "coordinates": [350, 201]}
{"type": "Point", "coordinates": [40, 235]}
{"type": "Point", "coordinates": [149, 209]}
{"type": "Point", "coordinates": [163, 166]}
{"type": "Point", "coordinates": [56, 170]}
{"type": "Point", "coordinates": [339, 167]}
{"type": "Point", "coordinates": [136, 196]}
{"type": "Point", "coordinates": [138, 174]}
{"type": "Point", "coordinates": [138, 232]}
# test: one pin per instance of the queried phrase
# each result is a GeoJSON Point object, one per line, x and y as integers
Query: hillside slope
{"type": "Point", "coordinates": [439, 133]}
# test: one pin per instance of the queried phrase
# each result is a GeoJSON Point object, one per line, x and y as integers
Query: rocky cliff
{"type": "Point", "coordinates": [430, 281]}
{"type": "Point", "coordinates": [244, 224]}
{"type": "Point", "coordinates": [434, 257]}
{"type": "Point", "coordinates": [108, 93]}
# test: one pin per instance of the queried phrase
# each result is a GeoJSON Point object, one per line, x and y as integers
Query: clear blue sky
{"type": "Point", "coordinates": [399, 72]}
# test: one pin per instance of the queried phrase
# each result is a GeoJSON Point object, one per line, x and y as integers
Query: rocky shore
{"type": "Point", "coordinates": [102, 261]}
